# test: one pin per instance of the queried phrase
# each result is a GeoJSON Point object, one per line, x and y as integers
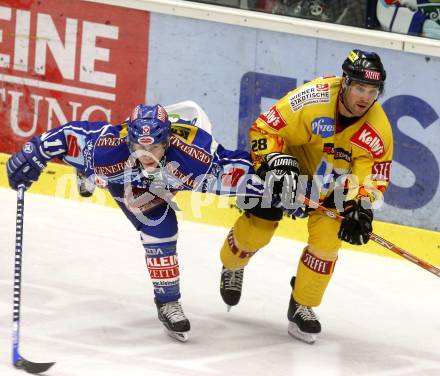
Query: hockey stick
{"type": "Point", "coordinates": [376, 238]}
{"type": "Point", "coordinates": [17, 360]}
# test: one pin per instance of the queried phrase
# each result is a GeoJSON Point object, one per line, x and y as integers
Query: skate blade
{"type": "Point", "coordinates": [180, 336]}
{"type": "Point", "coordinates": [294, 331]}
{"type": "Point", "coordinates": [228, 307]}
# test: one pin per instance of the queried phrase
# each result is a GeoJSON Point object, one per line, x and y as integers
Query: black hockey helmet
{"type": "Point", "coordinates": [364, 67]}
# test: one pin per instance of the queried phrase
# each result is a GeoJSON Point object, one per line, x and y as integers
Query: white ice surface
{"type": "Point", "coordinates": [87, 304]}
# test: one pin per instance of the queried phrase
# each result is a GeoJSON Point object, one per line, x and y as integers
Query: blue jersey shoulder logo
{"type": "Point", "coordinates": [323, 126]}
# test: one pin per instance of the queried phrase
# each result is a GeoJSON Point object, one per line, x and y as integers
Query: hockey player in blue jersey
{"type": "Point", "coordinates": [143, 162]}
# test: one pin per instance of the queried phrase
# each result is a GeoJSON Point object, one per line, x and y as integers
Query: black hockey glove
{"type": "Point", "coordinates": [357, 224]}
{"type": "Point", "coordinates": [280, 173]}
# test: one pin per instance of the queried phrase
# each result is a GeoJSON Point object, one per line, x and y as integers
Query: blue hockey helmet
{"type": "Point", "coordinates": [148, 125]}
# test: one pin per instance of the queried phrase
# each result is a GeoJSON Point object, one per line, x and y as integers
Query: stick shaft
{"type": "Point", "coordinates": [17, 274]}
{"type": "Point", "coordinates": [376, 238]}
{"type": "Point", "coordinates": [17, 360]}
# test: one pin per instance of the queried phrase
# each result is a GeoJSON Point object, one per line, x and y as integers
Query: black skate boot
{"type": "Point", "coordinates": [303, 322]}
{"type": "Point", "coordinates": [231, 283]}
{"type": "Point", "coordinates": [173, 319]}
{"type": "Point", "coordinates": [85, 186]}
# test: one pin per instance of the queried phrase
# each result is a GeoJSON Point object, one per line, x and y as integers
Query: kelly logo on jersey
{"type": "Point", "coordinates": [368, 139]}
{"type": "Point", "coordinates": [323, 126]}
{"type": "Point", "coordinates": [273, 119]}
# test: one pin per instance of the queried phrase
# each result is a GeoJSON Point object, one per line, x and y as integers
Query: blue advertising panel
{"type": "Point", "coordinates": [235, 73]}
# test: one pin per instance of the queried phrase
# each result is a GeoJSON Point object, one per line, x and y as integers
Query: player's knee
{"type": "Point", "coordinates": [231, 256]}
{"type": "Point", "coordinates": [247, 236]}
{"type": "Point", "coordinates": [157, 247]}
{"type": "Point", "coordinates": [326, 248]}
{"type": "Point", "coordinates": [323, 235]}
{"type": "Point", "coordinates": [252, 233]}
{"type": "Point", "coordinates": [328, 254]}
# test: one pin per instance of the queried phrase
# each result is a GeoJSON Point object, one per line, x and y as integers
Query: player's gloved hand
{"type": "Point", "coordinates": [281, 171]}
{"type": "Point", "coordinates": [24, 167]}
{"type": "Point", "coordinates": [357, 223]}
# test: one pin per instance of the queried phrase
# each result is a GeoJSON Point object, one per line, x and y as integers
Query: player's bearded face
{"type": "Point", "coordinates": [358, 97]}
{"type": "Point", "coordinates": [149, 155]}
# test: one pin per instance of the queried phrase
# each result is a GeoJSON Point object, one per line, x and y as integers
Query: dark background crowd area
{"type": "Point", "coordinates": [412, 17]}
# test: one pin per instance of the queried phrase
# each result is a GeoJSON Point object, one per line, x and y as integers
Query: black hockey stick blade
{"type": "Point", "coordinates": [32, 367]}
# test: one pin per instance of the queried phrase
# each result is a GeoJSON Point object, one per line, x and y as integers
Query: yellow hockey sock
{"type": "Point", "coordinates": [313, 275]}
{"type": "Point", "coordinates": [246, 237]}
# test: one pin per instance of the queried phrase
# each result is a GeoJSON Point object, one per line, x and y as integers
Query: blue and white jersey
{"type": "Point", "coordinates": [193, 161]}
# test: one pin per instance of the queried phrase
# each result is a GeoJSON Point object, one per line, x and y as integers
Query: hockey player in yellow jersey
{"type": "Point", "coordinates": [333, 135]}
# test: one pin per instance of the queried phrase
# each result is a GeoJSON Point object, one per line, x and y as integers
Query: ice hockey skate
{"type": "Point", "coordinates": [231, 283]}
{"type": "Point", "coordinates": [173, 319]}
{"type": "Point", "coordinates": [303, 322]}
{"type": "Point", "coordinates": [85, 186]}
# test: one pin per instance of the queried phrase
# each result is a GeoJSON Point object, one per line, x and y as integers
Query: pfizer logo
{"type": "Point", "coordinates": [146, 140]}
{"type": "Point", "coordinates": [323, 126]}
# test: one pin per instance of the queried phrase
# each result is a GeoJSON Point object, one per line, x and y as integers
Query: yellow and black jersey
{"type": "Point", "coordinates": [304, 123]}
